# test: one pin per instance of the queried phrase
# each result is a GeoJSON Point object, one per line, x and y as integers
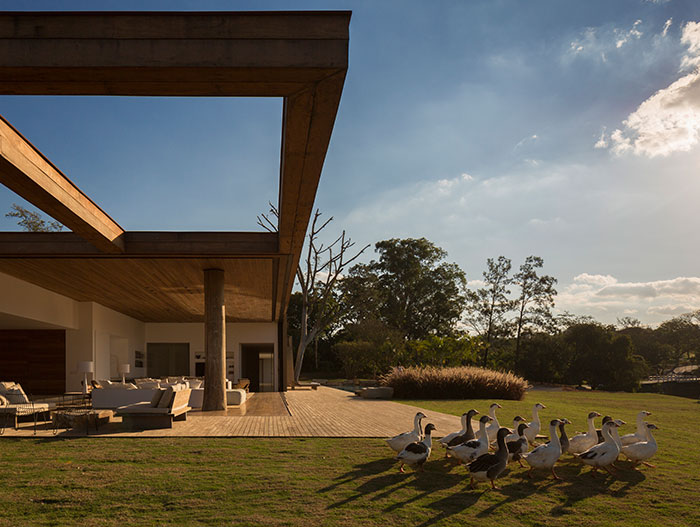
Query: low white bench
{"type": "Point", "coordinates": [145, 416]}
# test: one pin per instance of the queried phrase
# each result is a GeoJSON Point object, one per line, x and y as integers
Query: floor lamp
{"type": "Point", "coordinates": [85, 367]}
{"type": "Point", "coordinates": [124, 369]}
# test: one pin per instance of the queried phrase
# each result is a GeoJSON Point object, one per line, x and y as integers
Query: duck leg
{"type": "Point", "coordinates": [648, 464]}
{"type": "Point", "coordinates": [593, 472]}
{"type": "Point", "coordinates": [493, 486]}
{"type": "Point", "coordinates": [555, 475]}
{"type": "Point", "coordinates": [521, 463]}
{"type": "Point", "coordinates": [401, 468]}
{"type": "Point", "coordinates": [610, 471]}
{"type": "Point", "coordinates": [529, 473]}
{"type": "Point", "coordinates": [471, 484]}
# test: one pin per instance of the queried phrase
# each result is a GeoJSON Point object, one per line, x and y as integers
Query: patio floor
{"type": "Point", "coordinates": [326, 412]}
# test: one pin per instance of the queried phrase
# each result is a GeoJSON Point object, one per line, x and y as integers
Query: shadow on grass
{"type": "Point", "coordinates": [387, 480]}
{"type": "Point", "coordinates": [583, 484]}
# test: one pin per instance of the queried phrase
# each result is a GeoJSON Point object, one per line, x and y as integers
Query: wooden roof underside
{"type": "Point", "coordinates": [300, 56]}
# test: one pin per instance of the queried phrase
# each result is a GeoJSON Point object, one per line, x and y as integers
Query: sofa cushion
{"type": "Point", "coordinates": [196, 384]}
{"type": "Point", "coordinates": [3, 401]}
{"type": "Point", "coordinates": [5, 385]}
{"type": "Point", "coordinates": [167, 398]}
{"type": "Point", "coordinates": [149, 385]}
{"type": "Point", "coordinates": [157, 396]}
{"type": "Point", "coordinates": [16, 395]}
{"type": "Point", "coordinates": [118, 386]}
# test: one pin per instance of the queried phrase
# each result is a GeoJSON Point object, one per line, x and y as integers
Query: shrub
{"type": "Point", "coordinates": [464, 382]}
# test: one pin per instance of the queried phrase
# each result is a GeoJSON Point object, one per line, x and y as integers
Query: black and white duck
{"type": "Point", "coordinates": [464, 435]}
{"type": "Point", "coordinates": [399, 442]}
{"type": "Point", "coordinates": [487, 467]}
{"type": "Point", "coordinates": [514, 435]}
{"type": "Point", "coordinates": [469, 451]}
{"type": "Point", "coordinates": [518, 447]}
{"type": "Point", "coordinates": [417, 453]}
{"type": "Point", "coordinates": [604, 454]}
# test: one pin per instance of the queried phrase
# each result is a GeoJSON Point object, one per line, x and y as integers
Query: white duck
{"type": "Point", "coordinates": [469, 451]}
{"type": "Point", "coordinates": [399, 442]}
{"type": "Point", "coordinates": [602, 455]}
{"type": "Point", "coordinates": [514, 435]}
{"type": "Point", "coordinates": [643, 450]}
{"type": "Point", "coordinates": [533, 427]}
{"type": "Point", "coordinates": [465, 434]}
{"type": "Point", "coordinates": [415, 454]}
{"type": "Point", "coordinates": [518, 447]}
{"type": "Point", "coordinates": [545, 456]}
{"type": "Point", "coordinates": [493, 427]}
{"type": "Point", "coordinates": [640, 434]}
{"type": "Point", "coordinates": [582, 442]}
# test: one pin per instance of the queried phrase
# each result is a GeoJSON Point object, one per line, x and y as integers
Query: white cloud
{"type": "Point", "coordinates": [625, 36]}
{"type": "Point", "coordinates": [602, 141]}
{"type": "Point", "coordinates": [669, 120]}
{"type": "Point", "coordinates": [524, 140]}
{"type": "Point", "coordinates": [667, 25]}
{"type": "Point", "coordinates": [604, 296]}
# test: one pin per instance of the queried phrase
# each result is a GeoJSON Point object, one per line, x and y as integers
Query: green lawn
{"type": "Point", "coordinates": [88, 481]}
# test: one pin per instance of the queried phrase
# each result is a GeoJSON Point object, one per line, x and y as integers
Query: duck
{"type": "Point", "coordinates": [416, 453]}
{"type": "Point", "coordinates": [533, 427]}
{"type": "Point", "coordinates": [518, 447]}
{"type": "Point", "coordinates": [399, 442]}
{"type": "Point", "coordinates": [471, 450]}
{"type": "Point", "coordinates": [563, 438]}
{"type": "Point", "coordinates": [464, 435]}
{"type": "Point", "coordinates": [604, 454]}
{"type": "Point", "coordinates": [545, 456]}
{"type": "Point", "coordinates": [489, 466]}
{"type": "Point", "coordinates": [514, 435]}
{"type": "Point", "coordinates": [493, 427]}
{"type": "Point", "coordinates": [641, 451]}
{"type": "Point", "coordinates": [583, 441]}
{"type": "Point", "coordinates": [641, 433]}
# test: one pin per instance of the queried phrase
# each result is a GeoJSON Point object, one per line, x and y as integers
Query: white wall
{"type": "Point", "coordinates": [104, 336]}
{"type": "Point", "coordinates": [236, 335]}
{"type": "Point", "coordinates": [22, 299]}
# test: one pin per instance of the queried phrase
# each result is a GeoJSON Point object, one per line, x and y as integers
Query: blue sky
{"type": "Point", "coordinates": [565, 129]}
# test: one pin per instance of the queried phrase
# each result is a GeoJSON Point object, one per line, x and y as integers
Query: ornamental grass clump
{"type": "Point", "coordinates": [464, 382]}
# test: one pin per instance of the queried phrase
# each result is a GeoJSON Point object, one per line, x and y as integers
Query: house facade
{"type": "Point", "coordinates": [163, 303]}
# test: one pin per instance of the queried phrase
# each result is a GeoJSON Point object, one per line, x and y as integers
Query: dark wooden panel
{"type": "Point", "coordinates": [34, 358]}
{"type": "Point", "coordinates": [141, 244]}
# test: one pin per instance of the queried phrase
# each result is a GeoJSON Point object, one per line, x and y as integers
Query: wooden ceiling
{"type": "Point", "coordinates": [300, 56]}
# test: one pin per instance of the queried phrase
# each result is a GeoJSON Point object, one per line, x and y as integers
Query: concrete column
{"type": "Point", "coordinates": [214, 341]}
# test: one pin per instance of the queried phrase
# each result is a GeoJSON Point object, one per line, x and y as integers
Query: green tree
{"type": "Point", "coordinates": [602, 358]}
{"type": "Point", "coordinates": [682, 333]}
{"type": "Point", "coordinates": [409, 289]}
{"type": "Point", "coordinates": [32, 221]}
{"type": "Point", "coordinates": [535, 301]}
{"type": "Point", "coordinates": [487, 307]}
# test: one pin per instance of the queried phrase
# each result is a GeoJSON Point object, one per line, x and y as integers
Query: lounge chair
{"type": "Point", "coordinates": [166, 406]}
{"type": "Point", "coordinates": [14, 403]}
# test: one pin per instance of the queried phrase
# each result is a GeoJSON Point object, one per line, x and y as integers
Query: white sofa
{"type": "Point", "coordinates": [114, 394]}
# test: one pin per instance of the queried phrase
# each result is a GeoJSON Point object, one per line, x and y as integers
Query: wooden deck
{"type": "Point", "coordinates": [326, 412]}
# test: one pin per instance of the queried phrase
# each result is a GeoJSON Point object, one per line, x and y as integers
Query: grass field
{"type": "Point", "coordinates": [243, 481]}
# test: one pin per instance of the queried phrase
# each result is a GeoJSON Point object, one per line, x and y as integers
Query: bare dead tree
{"type": "Point", "coordinates": [317, 276]}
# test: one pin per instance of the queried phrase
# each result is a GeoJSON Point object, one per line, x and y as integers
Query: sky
{"type": "Point", "coordinates": [564, 129]}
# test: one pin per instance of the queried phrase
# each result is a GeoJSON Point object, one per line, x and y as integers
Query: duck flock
{"type": "Point", "coordinates": [597, 448]}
